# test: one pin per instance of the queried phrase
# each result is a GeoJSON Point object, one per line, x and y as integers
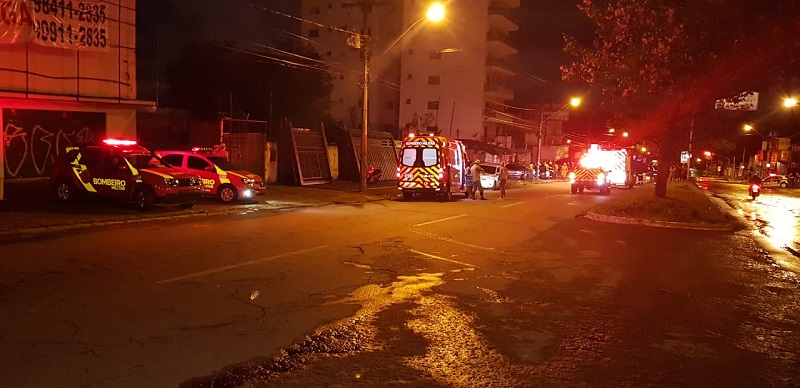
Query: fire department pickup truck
{"type": "Point", "coordinates": [121, 170]}
{"type": "Point", "coordinates": [220, 178]}
{"type": "Point", "coordinates": [589, 179]}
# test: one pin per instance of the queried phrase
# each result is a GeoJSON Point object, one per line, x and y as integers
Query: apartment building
{"type": "Point", "coordinates": [67, 76]}
{"type": "Point", "coordinates": [424, 76]}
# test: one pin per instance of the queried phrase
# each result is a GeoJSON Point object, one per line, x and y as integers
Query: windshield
{"type": "Point", "coordinates": [489, 169]}
{"type": "Point", "coordinates": [419, 157]}
{"type": "Point", "coordinates": [146, 161]}
{"type": "Point", "coordinates": [222, 163]}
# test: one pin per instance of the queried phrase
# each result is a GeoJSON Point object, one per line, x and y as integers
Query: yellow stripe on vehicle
{"type": "Point", "coordinates": [157, 173]}
{"type": "Point", "coordinates": [78, 170]}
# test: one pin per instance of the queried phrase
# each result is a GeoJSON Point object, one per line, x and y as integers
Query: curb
{"type": "Point", "coordinates": [32, 231]}
{"type": "Point", "coordinates": [659, 224]}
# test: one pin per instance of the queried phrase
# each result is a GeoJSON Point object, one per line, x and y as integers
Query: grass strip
{"type": "Point", "coordinates": [685, 202]}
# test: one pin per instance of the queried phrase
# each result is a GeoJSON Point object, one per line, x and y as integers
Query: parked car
{"type": "Point", "coordinates": [220, 178]}
{"type": "Point", "coordinates": [490, 176]}
{"type": "Point", "coordinates": [519, 171]}
{"type": "Point", "coordinates": [121, 170]}
{"type": "Point", "coordinates": [775, 181]}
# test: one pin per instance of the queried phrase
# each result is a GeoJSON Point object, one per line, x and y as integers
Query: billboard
{"type": "Point", "coordinates": [747, 101]}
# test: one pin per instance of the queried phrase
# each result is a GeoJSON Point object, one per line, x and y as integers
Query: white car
{"type": "Point", "coordinates": [490, 176]}
{"type": "Point", "coordinates": [775, 181]}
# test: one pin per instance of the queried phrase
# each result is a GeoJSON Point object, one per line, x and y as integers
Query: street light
{"type": "Point", "coordinates": [748, 128]}
{"type": "Point", "coordinates": [789, 102]}
{"type": "Point", "coordinates": [574, 102]}
{"type": "Point", "coordinates": [435, 14]}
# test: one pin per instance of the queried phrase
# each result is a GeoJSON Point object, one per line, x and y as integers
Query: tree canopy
{"type": "Point", "coordinates": [659, 64]}
{"type": "Point", "coordinates": [271, 84]}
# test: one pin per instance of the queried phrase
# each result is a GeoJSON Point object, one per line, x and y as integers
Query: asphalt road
{"type": "Point", "coordinates": [519, 292]}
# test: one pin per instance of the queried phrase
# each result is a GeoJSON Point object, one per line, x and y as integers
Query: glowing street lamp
{"type": "Point", "coordinates": [574, 102]}
{"type": "Point", "coordinates": [434, 14]}
{"type": "Point", "coordinates": [789, 102]}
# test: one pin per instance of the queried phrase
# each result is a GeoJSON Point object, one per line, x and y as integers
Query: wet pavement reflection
{"type": "Point", "coordinates": [774, 213]}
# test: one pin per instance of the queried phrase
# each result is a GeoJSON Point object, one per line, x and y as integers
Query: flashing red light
{"type": "Point", "coordinates": [411, 135]}
{"type": "Point", "coordinates": [119, 142]}
{"type": "Point", "coordinates": [707, 153]}
{"type": "Point", "coordinates": [195, 149]}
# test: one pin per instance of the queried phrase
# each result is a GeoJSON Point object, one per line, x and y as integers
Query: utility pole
{"type": "Point", "coordinates": [689, 160]}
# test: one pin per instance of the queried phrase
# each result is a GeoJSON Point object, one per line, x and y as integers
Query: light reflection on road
{"type": "Point", "coordinates": [775, 215]}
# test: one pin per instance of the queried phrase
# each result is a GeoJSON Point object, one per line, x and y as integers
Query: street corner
{"type": "Point", "coordinates": [723, 227]}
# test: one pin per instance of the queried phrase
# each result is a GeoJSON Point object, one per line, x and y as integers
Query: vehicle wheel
{"type": "Point", "coordinates": [608, 190]}
{"type": "Point", "coordinates": [574, 189]}
{"type": "Point", "coordinates": [227, 193]}
{"type": "Point", "coordinates": [65, 192]}
{"type": "Point", "coordinates": [447, 197]}
{"type": "Point", "coordinates": [580, 189]}
{"type": "Point", "coordinates": [187, 205]}
{"type": "Point", "coordinates": [784, 185]}
{"type": "Point", "coordinates": [144, 198]}
{"type": "Point", "coordinates": [406, 196]}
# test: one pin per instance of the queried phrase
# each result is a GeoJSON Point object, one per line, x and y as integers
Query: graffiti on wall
{"type": "Point", "coordinates": [33, 139]}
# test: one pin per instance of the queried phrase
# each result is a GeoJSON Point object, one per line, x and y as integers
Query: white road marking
{"type": "Point", "coordinates": [450, 240]}
{"type": "Point", "coordinates": [235, 266]}
{"type": "Point", "coordinates": [513, 204]}
{"type": "Point", "coordinates": [442, 258]}
{"type": "Point", "coordinates": [440, 220]}
{"type": "Point", "coordinates": [553, 196]}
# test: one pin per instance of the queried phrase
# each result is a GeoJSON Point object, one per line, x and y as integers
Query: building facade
{"type": "Point", "coordinates": [424, 76]}
{"type": "Point", "coordinates": [67, 76]}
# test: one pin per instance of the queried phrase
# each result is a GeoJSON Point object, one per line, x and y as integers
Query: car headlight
{"type": "Point", "coordinates": [601, 178]}
{"type": "Point", "coordinates": [248, 181]}
{"type": "Point", "coordinates": [171, 182]}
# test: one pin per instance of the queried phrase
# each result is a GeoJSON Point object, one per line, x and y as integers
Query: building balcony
{"type": "Point", "coordinates": [499, 19]}
{"type": "Point", "coordinates": [497, 92]}
{"type": "Point", "coordinates": [499, 44]}
{"type": "Point", "coordinates": [499, 66]}
{"type": "Point", "coordinates": [505, 3]}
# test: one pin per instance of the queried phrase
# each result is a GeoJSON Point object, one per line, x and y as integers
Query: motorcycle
{"type": "Point", "coordinates": [373, 174]}
{"type": "Point", "coordinates": [755, 189]}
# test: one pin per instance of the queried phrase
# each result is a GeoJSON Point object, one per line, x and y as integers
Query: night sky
{"type": "Point", "coordinates": [539, 39]}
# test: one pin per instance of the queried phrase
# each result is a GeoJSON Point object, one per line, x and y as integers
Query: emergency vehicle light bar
{"type": "Point", "coordinates": [118, 142]}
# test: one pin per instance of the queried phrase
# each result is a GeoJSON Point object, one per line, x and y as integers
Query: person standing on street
{"type": "Point", "coordinates": [502, 179]}
{"type": "Point", "coordinates": [476, 172]}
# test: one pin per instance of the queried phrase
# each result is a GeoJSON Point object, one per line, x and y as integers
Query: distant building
{"type": "Point", "coordinates": [71, 82]}
{"type": "Point", "coordinates": [436, 77]}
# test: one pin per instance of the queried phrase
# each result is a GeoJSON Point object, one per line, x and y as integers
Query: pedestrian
{"type": "Point", "coordinates": [469, 182]}
{"type": "Point", "coordinates": [476, 171]}
{"type": "Point", "coordinates": [502, 179]}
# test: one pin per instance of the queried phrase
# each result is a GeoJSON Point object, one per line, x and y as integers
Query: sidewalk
{"type": "Point", "coordinates": [30, 209]}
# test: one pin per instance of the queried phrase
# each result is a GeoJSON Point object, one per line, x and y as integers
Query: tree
{"type": "Point", "coordinates": [661, 64]}
{"type": "Point", "coordinates": [285, 82]}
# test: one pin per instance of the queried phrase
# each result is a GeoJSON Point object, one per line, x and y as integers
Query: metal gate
{"type": "Point", "coordinates": [246, 151]}
{"type": "Point", "coordinates": [311, 156]}
{"type": "Point", "coordinates": [381, 152]}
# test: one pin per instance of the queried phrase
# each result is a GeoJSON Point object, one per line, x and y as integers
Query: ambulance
{"type": "Point", "coordinates": [432, 165]}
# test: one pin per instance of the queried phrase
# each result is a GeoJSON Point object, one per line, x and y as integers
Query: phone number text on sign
{"type": "Point", "coordinates": [70, 24]}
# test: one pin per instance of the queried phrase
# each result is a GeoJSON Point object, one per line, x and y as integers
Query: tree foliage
{"type": "Point", "coordinates": [659, 64]}
{"type": "Point", "coordinates": [288, 82]}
